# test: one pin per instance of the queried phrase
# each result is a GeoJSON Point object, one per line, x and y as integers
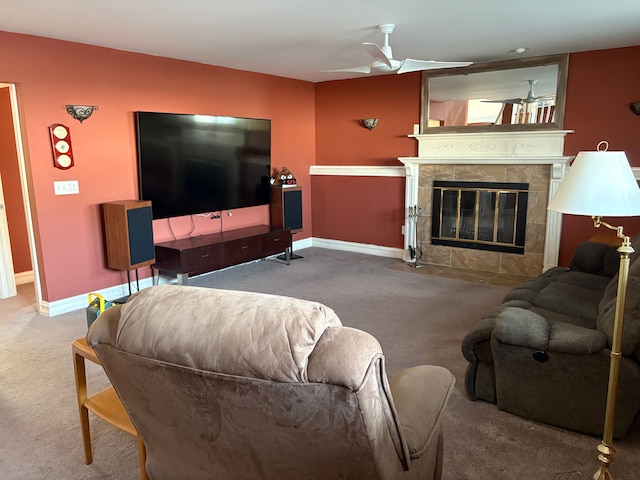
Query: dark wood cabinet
{"type": "Point", "coordinates": [206, 253]}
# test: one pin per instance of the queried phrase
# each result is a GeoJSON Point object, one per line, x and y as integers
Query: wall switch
{"type": "Point", "coordinates": [403, 230]}
{"type": "Point", "coordinates": [69, 187]}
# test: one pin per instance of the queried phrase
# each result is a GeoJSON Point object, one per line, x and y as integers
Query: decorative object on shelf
{"type": "Point", "coordinates": [635, 107]}
{"type": "Point", "coordinates": [601, 184]}
{"type": "Point", "coordinates": [284, 178]}
{"type": "Point", "coordinates": [81, 112]}
{"type": "Point", "coordinates": [415, 212]}
{"type": "Point", "coordinates": [60, 137]}
{"type": "Point", "coordinates": [369, 123]}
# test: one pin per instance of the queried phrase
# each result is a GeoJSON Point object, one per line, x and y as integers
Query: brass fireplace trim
{"type": "Point", "coordinates": [520, 190]}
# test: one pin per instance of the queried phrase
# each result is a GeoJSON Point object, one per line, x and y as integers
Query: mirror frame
{"type": "Point", "coordinates": [561, 60]}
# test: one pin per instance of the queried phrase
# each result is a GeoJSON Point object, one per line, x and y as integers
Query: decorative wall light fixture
{"type": "Point", "coordinates": [81, 112]}
{"type": "Point", "coordinates": [635, 107]}
{"type": "Point", "coordinates": [602, 184]}
{"type": "Point", "coordinates": [369, 123]}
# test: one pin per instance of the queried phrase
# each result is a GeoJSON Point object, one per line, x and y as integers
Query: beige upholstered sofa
{"type": "Point", "coordinates": [236, 385]}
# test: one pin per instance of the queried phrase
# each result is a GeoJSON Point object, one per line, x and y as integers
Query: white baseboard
{"type": "Point", "coordinates": [24, 277]}
{"type": "Point", "coordinates": [58, 307]}
{"type": "Point", "coordinates": [357, 247]}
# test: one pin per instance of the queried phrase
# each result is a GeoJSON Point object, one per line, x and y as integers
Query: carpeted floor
{"type": "Point", "coordinates": [418, 319]}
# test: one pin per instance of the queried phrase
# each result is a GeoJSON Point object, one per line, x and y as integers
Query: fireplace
{"type": "Point", "coordinates": [480, 215]}
{"type": "Point", "coordinates": [489, 160]}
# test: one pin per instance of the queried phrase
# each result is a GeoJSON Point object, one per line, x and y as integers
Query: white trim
{"type": "Point", "coordinates": [77, 302]}
{"type": "Point", "coordinates": [356, 171]}
{"type": "Point", "coordinates": [486, 160]}
{"type": "Point", "coordinates": [24, 277]}
{"type": "Point", "coordinates": [358, 247]}
{"type": "Point", "coordinates": [7, 281]}
{"type": "Point", "coordinates": [25, 190]}
{"type": "Point", "coordinates": [636, 172]}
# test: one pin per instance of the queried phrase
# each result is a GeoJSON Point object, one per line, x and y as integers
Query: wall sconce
{"type": "Point", "coordinates": [81, 112]}
{"type": "Point", "coordinates": [369, 123]}
{"type": "Point", "coordinates": [635, 107]}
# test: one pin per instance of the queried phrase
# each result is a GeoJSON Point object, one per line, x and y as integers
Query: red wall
{"type": "Point", "coordinates": [11, 187]}
{"type": "Point", "coordinates": [364, 210]}
{"type": "Point", "coordinates": [50, 74]}
{"type": "Point", "coordinates": [311, 124]}
{"type": "Point", "coordinates": [600, 86]}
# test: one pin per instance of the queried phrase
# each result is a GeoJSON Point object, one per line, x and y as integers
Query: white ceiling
{"type": "Point", "coordinates": [300, 38]}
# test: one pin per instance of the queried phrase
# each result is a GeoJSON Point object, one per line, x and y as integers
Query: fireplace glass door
{"type": "Point", "coordinates": [482, 215]}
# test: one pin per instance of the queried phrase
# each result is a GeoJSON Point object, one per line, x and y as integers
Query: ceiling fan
{"type": "Point", "coordinates": [385, 63]}
{"type": "Point", "coordinates": [530, 98]}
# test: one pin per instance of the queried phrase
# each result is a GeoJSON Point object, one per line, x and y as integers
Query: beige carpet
{"type": "Point", "coordinates": [418, 318]}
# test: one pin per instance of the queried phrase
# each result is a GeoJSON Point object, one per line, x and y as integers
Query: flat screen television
{"type": "Point", "coordinates": [195, 164]}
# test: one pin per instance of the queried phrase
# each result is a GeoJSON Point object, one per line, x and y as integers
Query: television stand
{"type": "Point", "coordinates": [207, 253]}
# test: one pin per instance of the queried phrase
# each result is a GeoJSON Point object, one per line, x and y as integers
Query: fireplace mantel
{"type": "Point", "coordinates": [544, 147]}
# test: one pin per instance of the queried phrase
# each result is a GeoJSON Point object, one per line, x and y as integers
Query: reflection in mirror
{"type": "Point", "coordinates": [522, 94]}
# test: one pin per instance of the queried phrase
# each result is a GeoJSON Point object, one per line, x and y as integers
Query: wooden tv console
{"type": "Point", "coordinates": [206, 253]}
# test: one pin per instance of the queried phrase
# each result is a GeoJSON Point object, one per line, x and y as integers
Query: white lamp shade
{"type": "Point", "coordinates": [598, 184]}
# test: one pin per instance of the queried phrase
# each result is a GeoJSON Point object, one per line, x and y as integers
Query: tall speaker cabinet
{"type": "Point", "coordinates": [128, 232]}
{"type": "Point", "coordinates": [286, 208]}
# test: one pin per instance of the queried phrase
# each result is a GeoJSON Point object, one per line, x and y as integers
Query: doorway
{"type": "Point", "coordinates": [7, 273]}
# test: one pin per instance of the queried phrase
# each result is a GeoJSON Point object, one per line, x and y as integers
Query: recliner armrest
{"type": "Point", "coordinates": [420, 395]}
{"type": "Point", "coordinates": [516, 326]}
{"type": "Point", "coordinates": [567, 338]}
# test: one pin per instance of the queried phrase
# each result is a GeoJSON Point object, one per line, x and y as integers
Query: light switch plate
{"type": "Point", "coordinates": [68, 187]}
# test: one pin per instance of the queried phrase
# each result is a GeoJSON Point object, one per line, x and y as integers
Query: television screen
{"type": "Point", "coordinates": [193, 164]}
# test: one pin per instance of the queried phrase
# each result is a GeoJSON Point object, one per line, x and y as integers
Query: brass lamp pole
{"type": "Point", "coordinates": [601, 184]}
{"type": "Point", "coordinates": [605, 448]}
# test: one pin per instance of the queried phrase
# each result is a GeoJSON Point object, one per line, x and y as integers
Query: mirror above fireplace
{"type": "Point", "coordinates": [514, 95]}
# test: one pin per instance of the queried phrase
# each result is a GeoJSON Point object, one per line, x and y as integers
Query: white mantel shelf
{"type": "Point", "coordinates": [531, 147]}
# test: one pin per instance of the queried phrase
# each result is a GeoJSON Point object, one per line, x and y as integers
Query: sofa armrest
{"type": "Point", "coordinates": [482, 332]}
{"type": "Point", "coordinates": [567, 338]}
{"type": "Point", "coordinates": [515, 326]}
{"type": "Point", "coordinates": [420, 395]}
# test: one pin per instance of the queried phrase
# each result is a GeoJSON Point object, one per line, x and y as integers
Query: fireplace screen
{"type": "Point", "coordinates": [481, 215]}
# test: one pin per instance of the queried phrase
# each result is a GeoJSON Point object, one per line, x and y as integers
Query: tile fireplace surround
{"type": "Point", "coordinates": [534, 157]}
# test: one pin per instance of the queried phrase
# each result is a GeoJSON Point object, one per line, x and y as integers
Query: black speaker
{"type": "Point", "coordinates": [286, 208]}
{"type": "Point", "coordinates": [128, 229]}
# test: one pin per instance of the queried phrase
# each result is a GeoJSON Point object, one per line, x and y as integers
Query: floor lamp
{"type": "Point", "coordinates": [599, 184]}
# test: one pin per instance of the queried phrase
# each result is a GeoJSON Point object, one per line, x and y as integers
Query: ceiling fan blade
{"type": "Point", "coordinates": [376, 52]}
{"type": "Point", "coordinates": [515, 101]}
{"type": "Point", "coordinates": [411, 65]}
{"type": "Point", "coordinates": [361, 69]}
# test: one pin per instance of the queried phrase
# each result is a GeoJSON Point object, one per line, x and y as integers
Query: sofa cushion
{"type": "Point", "coordinates": [531, 287]}
{"type": "Point", "coordinates": [257, 344]}
{"type": "Point", "coordinates": [591, 281]}
{"type": "Point", "coordinates": [571, 300]}
{"type": "Point", "coordinates": [588, 257]}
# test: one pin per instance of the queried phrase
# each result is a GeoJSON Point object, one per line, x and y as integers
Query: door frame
{"type": "Point", "coordinates": [7, 274]}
